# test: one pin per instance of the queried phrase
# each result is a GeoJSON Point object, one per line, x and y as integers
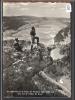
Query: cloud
{"type": "Point", "coordinates": [39, 9]}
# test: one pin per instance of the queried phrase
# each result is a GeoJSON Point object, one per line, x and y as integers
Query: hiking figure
{"type": "Point", "coordinates": [49, 50]}
{"type": "Point", "coordinates": [17, 46]}
{"type": "Point", "coordinates": [49, 58]}
{"type": "Point", "coordinates": [33, 35]}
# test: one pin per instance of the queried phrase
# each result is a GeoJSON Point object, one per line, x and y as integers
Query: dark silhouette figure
{"type": "Point", "coordinates": [17, 46]}
{"type": "Point", "coordinates": [33, 35]}
{"type": "Point", "coordinates": [49, 50]}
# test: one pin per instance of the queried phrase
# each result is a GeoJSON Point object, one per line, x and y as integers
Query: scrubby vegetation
{"type": "Point", "coordinates": [21, 69]}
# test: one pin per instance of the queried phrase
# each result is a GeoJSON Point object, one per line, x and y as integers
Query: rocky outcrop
{"type": "Point", "coordinates": [62, 34]}
{"type": "Point", "coordinates": [21, 69]}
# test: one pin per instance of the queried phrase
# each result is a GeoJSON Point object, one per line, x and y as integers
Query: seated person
{"type": "Point", "coordinates": [17, 46]}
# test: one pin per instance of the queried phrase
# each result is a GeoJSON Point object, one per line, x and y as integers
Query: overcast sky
{"type": "Point", "coordinates": [36, 9]}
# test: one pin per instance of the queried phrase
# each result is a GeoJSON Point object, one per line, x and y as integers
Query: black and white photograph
{"type": "Point", "coordinates": [36, 49]}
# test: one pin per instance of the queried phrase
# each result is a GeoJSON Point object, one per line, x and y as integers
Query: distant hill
{"type": "Point", "coordinates": [46, 27]}
{"type": "Point", "coordinates": [14, 22]}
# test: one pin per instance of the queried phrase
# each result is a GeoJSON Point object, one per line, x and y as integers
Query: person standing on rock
{"type": "Point", "coordinates": [33, 35]}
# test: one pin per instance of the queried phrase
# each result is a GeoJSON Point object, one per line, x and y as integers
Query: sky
{"type": "Point", "coordinates": [39, 9]}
